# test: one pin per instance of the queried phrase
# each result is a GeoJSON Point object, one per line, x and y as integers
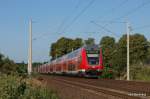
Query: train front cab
{"type": "Point", "coordinates": [92, 62]}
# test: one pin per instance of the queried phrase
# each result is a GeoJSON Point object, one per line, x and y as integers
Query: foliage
{"type": "Point", "coordinates": [15, 87]}
{"type": "Point", "coordinates": [138, 49]}
{"type": "Point", "coordinates": [119, 58]}
{"type": "Point", "coordinates": [108, 48]}
{"type": "Point", "coordinates": [139, 72]}
{"type": "Point", "coordinates": [107, 44]}
{"type": "Point", "coordinates": [90, 41]}
{"type": "Point", "coordinates": [138, 52]}
{"type": "Point", "coordinates": [37, 64]}
{"type": "Point", "coordinates": [77, 43]}
{"type": "Point", "coordinates": [147, 61]}
{"type": "Point", "coordinates": [64, 46]}
{"type": "Point", "coordinates": [7, 66]}
{"type": "Point", "coordinates": [14, 83]}
{"type": "Point", "coordinates": [22, 67]}
{"type": "Point", "coordinates": [107, 72]}
{"type": "Point", "coordinates": [115, 53]}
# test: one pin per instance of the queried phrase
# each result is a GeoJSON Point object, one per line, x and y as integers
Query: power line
{"type": "Point", "coordinates": [111, 10]}
{"type": "Point", "coordinates": [61, 24]}
{"type": "Point", "coordinates": [36, 38]}
{"type": "Point", "coordinates": [115, 8]}
{"type": "Point", "coordinates": [142, 27]}
{"type": "Point", "coordinates": [135, 9]}
{"type": "Point", "coordinates": [78, 15]}
{"type": "Point", "coordinates": [104, 28]}
{"type": "Point", "coordinates": [67, 17]}
{"type": "Point", "coordinates": [128, 13]}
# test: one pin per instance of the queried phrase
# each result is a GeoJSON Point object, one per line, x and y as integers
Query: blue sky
{"type": "Point", "coordinates": [53, 19]}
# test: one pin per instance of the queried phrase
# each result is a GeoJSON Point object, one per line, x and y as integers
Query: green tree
{"type": "Point", "coordinates": [53, 50]}
{"type": "Point", "coordinates": [64, 46]}
{"type": "Point", "coordinates": [77, 43]}
{"type": "Point", "coordinates": [138, 49]}
{"type": "Point", "coordinates": [22, 68]}
{"type": "Point", "coordinates": [7, 66]}
{"type": "Point", "coordinates": [138, 53]}
{"type": "Point", "coordinates": [90, 41]}
{"type": "Point", "coordinates": [1, 60]}
{"type": "Point", "coordinates": [108, 44]}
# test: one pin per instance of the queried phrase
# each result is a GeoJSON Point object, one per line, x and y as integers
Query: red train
{"type": "Point", "coordinates": [85, 61]}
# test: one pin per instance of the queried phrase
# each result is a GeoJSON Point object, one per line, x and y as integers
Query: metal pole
{"type": "Point", "coordinates": [30, 49]}
{"type": "Point", "coordinates": [128, 57]}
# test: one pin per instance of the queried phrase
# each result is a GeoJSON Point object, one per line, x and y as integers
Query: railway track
{"type": "Point", "coordinates": [108, 88]}
{"type": "Point", "coordinates": [98, 90]}
{"type": "Point", "coordinates": [128, 86]}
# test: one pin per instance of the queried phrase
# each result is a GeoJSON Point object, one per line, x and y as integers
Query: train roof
{"type": "Point", "coordinates": [91, 47]}
{"type": "Point", "coordinates": [75, 52]}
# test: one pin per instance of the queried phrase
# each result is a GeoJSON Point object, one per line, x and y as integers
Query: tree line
{"type": "Point", "coordinates": [114, 52]}
{"type": "Point", "coordinates": [6, 65]}
{"type": "Point", "coordinates": [16, 84]}
{"type": "Point", "coordinates": [65, 45]}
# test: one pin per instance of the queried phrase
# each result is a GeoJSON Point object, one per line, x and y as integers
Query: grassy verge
{"type": "Point", "coordinates": [16, 87]}
{"type": "Point", "coordinates": [141, 73]}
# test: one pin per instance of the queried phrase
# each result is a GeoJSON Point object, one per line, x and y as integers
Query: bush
{"type": "Point", "coordinates": [140, 73]}
{"type": "Point", "coordinates": [107, 72]}
{"type": "Point", "coordinates": [14, 87]}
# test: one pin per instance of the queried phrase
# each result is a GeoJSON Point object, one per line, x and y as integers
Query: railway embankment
{"type": "Point", "coordinates": [83, 88]}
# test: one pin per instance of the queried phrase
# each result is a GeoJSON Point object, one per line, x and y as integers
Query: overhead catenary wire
{"type": "Point", "coordinates": [142, 27]}
{"type": "Point", "coordinates": [111, 10]}
{"type": "Point", "coordinates": [104, 28]}
{"type": "Point", "coordinates": [130, 12]}
{"type": "Point", "coordinates": [78, 15]}
{"type": "Point", "coordinates": [75, 18]}
{"type": "Point", "coordinates": [135, 9]}
{"type": "Point", "coordinates": [89, 4]}
{"type": "Point", "coordinates": [114, 8]}
{"type": "Point", "coordinates": [62, 24]}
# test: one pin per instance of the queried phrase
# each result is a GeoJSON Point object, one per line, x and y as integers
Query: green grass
{"type": "Point", "coordinates": [15, 87]}
{"type": "Point", "coordinates": [141, 73]}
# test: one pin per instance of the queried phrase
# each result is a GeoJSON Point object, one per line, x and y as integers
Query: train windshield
{"type": "Point", "coordinates": [93, 57]}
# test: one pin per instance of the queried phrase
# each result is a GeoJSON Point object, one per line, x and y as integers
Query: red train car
{"type": "Point", "coordinates": [85, 61]}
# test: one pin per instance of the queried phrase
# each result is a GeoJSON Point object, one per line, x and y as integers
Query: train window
{"type": "Point", "coordinates": [71, 67]}
{"type": "Point", "coordinates": [93, 57]}
{"type": "Point", "coordinates": [72, 54]}
{"type": "Point", "coordinates": [93, 60]}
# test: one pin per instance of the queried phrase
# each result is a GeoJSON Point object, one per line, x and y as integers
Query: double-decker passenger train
{"type": "Point", "coordinates": [85, 61]}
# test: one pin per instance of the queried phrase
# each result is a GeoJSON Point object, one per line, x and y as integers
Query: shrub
{"type": "Point", "coordinates": [140, 73]}
{"type": "Point", "coordinates": [14, 87]}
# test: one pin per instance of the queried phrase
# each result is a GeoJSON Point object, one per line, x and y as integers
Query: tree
{"type": "Point", "coordinates": [148, 55]}
{"type": "Point", "coordinates": [63, 46]}
{"type": "Point", "coordinates": [22, 68]}
{"type": "Point", "coordinates": [138, 53]}
{"type": "Point", "coordinates": [138, 49]}
{"type": "Point", "coordinates": [52, 50]}
{"type": "Point", "coordinates": [1, 60]}
{"type": "Point", "coordinates": [108, 44]}
{"type": "Point", "coordinates": [90, 41]}
{"type": "Point", "coordinates": [7, 66]}
{"type": "Point", "coordinates": [77, 43]}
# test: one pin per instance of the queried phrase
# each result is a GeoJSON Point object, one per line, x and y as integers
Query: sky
{"type": "Point", "coordinates": [53, 19]}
